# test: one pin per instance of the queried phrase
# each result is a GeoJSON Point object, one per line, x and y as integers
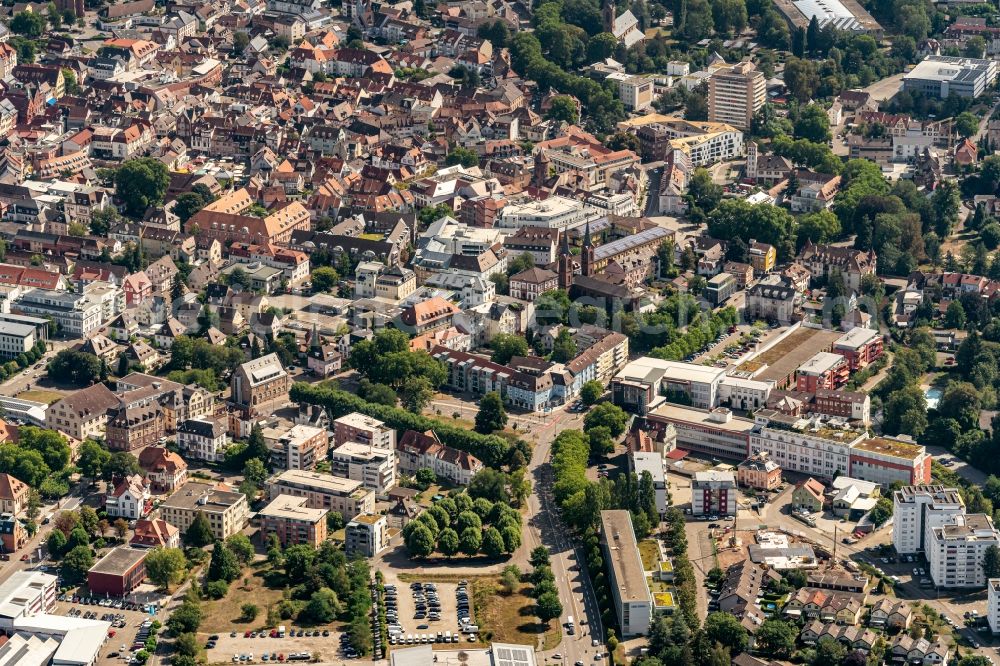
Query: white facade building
{"type": "Point", "coordinates": [629, 592]}
{"type": "Point", "coordinates": [955, 552]}
{"type": "Point", "coordinates": [652, 462]}
{"type": "Point", "coordinates": [918, 509]}
{"type": "Point", "coordinates": [555, 212]}
{"type": "Point", "coordinates": [806, 445]}
{"type": "Point", "coordinates": [993, 604]}
{"type": "Point", "coordinates": [373, 466]}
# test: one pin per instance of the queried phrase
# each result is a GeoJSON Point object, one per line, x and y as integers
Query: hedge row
{"type": "Point", "coordinates": [491, 449]}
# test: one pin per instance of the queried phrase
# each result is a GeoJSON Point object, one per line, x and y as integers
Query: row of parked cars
{"type": "Point", "coordinates": [272, 656]}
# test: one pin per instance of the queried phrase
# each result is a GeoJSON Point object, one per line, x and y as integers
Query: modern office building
{"type": "Point", "coordinates": [735, 94]}
{"type": "Point", "coordinates": [629, 593]}
{"type": "Point", "coordinates": [301, 447]}
{"type": "Point", "coordinates": [716, 432]}
{"type": "Point", "coordinates": [810, 446]}
{"type": "Point", "coordinates": [918, 509]}
{"type": "Point", "coordinates": [641, 384]}
{"type": "Point", "coordinates": [941, 76]}
{"type": "Point", "coordinates": [16, 339]}
{"type": "Point", "coordinates": [26, 593]}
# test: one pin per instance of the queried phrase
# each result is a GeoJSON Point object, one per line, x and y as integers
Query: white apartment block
{"type": "Point", "coordinates": [917, 510]}
{"type": "Point", "coordinates": [555, 212]}
{"type": "Point", "coordinates": [374, 467]}
{"type": "Point", "coordinates": [366, 535]}
{"type": "Point", "coordinates": [356, 427]}
{"type": "Point", "coordinates": [630, 596]}
{"type": "Point", "coordinates": [993, 604]}
{"type": "Point", "coordinates": [955, 552]}
{"type": "Point", "coordinates": [654, 463]}
{"type": "Point", "coordinates": [15, 339]}
{"type": "Point", "coordinates": [806, 445]}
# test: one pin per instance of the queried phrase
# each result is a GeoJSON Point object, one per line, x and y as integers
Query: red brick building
{"type": "Point", "coordinates": [117, 573]}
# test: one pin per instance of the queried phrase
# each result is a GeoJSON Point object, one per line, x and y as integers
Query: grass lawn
{"type": "Point", "coordinates": [41, 395]}
{"type": "Point", "coordinates": [650, 553]}
{"type": "Point", "coordinates": [223, 615]}
{"type": "Point", "coordinates": [510, 619]}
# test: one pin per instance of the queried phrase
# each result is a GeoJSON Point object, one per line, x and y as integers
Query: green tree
{"type": "Point", "coordinates": [591, 392]}
{"type": "Point", "coordinates": [249, 612]}
{"type": "Point", "coordinates": [92, 458]}
{"type": "Point", "coordinates": [141, 183]}
{"type": "Point", "coordinates": [881, 512]}
{"type": "Point", "coordinates": [76, 563]}
{"type": "Point", "coordinates": [75, 367]}
{"type": "Point", "coordinates": [776, 639]}
{"type": "Point", "coordinates": [563, 108]}
{"type": "Point", "coordinates": [119, 465]}
{"type": "Point", "coordinates": [505, 346]}
{"type": "Point", "coordinates": [323, 606]}
{"type": "Point", "coordinates": [813, 124]}
{"type": "Point", "coordinates": [448, 542]}
{"type": "Point", "coordinates": [199, 533]}
{"type": "Point", "coordinates": [608, 415]}
{"type": "Point", "coordinates": [28, 24]}
{"type": "Point", "coordinates": [240, 41]}
{"type": "Point", "coordinates": [955, 315]}
{"type": "Point", "coordinates": [185, 619]}
{"type": "Point", "coordinates": [56, 543]}
{"type": "Point", "coordinates": [548, 607]}
{"type": "Point", "coordinates": [493, 545]}
{"type": "Point", "coordinates": [165, 566]}
{"type": "Point", "coordinates": [703, 192]}
{"type": "Point", "coordinates": [491, 416]}
{"type": "Point", "coordinates": [416, 393]}
{"type": "Point", "coordinates": [966, 124]}
{"type": "Point", "coordinates": [324, 279]}
{"type": "Point", "coordinates": [991, 562]}
{"type": "Point", "coordinates": [563, 347]}
{"type": "Point", "coordinates": [187, 204]}
{"type": "Point", "coordinates": [726, 630]}
{"type": "Point", "coordinates": [240, 546]}
{"type": "Point", "coordinates": [419, 541]}
{"type": "Point", "coordinates": [470, 540]}
{"type": "Point", "coordinates": [510, 578]}
{"type": "Point", "coordinates": [829, 652]}
{"type": "Point", "coordinates": [224, 565]}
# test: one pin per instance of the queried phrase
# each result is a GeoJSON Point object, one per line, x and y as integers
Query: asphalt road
{"type": "Point", "coordinates": [546, 528]}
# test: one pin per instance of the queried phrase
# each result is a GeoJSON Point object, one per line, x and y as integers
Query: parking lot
{"type": "Point", "coordinates": [126, 623]}
{"type": "Point", "coordinates": [424, 608]}
{"type": "Point", "coordinates": [277, 649]}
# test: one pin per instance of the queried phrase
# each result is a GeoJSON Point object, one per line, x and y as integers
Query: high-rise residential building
{"type": "Point", "coordinates": [955, 551]}
{"type": "Point", "coordinates": [918, 509]}
{"type": "Point", "coordinates": [735, 94]}
{"type": "Point", "coordinates": [993, 604]}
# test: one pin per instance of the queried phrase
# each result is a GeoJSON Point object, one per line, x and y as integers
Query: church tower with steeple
{"type": "Point", "coordinates": [587, 255]}
{"type": "Point", "coordinates": [565, 263]}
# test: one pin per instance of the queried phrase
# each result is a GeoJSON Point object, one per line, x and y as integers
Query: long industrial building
{"type": "Point", "coordinates": [629, 593]}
